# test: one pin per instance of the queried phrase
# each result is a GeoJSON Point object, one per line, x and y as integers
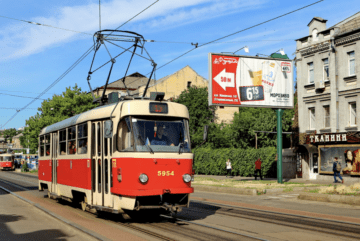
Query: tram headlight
{"type": "Point", "coordinates": [186, 178]}
{"type": "Point", "coordinates": [143, 178]}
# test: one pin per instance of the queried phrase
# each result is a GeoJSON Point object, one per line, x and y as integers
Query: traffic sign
{"type": "Point", "coordinates": [237, 80]}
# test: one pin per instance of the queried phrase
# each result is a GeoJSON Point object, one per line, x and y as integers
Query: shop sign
{"type": "Point", "coordinates": [328, 138]}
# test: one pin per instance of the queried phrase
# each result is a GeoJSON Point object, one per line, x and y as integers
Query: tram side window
{"type": "Point", "coordinates": [82, 137]}
{"type": "Point", "coordinates": [125, 140]}
{"type": "Point", "coordinates": [42, 145]}
{"type": "Point", "coordinates": [62, 142]}
{"type": "Point", "coordinates": [72, 140]}
{"type": "Point", "coordinates": [47, 145]}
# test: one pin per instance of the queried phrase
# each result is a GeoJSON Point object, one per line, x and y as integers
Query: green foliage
{"type": "Point", "coordinates": [9, 134]}
{"type": "Point", "coordinates": [196, 100]}
{"type": "Point", "coordinates": [24, 167]}
{"type": "Point", "coordinates": [211, 161]}
{"type": "Point", "coordinates": [60, 107]}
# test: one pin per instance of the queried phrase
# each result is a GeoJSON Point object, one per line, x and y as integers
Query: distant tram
{"type": "Point", "coordinates": [130, 155]}
{"type": "Point", "coordinates": [7, 161]}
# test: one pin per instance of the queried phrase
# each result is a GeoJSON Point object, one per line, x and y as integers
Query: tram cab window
{"type": "Point", "coordinates": [62, 142]}
{"type": "Point", "coordinates": [7, 159]}
{"type": "Point", "coordinates": [71, 140]}
{"type": "Point", "coordinates": [125, 140]}
{"type": "Point", "coordinates": [42, 141]}
{"type": "Point", "coordinates": [82, 139]}
{"type": "Point", "coordinates": [158, 134]}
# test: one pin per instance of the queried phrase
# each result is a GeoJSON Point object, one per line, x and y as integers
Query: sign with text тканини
{"type": "Point", "coordinates": [237, 80]}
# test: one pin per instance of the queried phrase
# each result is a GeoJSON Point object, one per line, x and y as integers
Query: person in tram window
{"type": "Point", "coordinates": [83, 149]}
{"type": "Point", "coordinates": [161, 138]}
{"type": "Point", "coordinates": [71, 147]}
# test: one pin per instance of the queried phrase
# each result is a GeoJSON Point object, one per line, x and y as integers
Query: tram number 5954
{"type": "Point", "coordinates": [166, 173]}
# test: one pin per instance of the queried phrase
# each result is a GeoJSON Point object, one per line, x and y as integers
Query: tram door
{"type": "Point", "coordinates": [54, 162]}
{"type": "Point", "coordinates": [100, 166]}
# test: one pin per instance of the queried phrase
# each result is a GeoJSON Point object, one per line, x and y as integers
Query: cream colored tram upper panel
{"type": "Point", "coordinates": [130, 107]}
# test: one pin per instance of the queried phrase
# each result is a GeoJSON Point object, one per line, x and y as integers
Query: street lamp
{"type": "Point", "coordinates": [246, 48]}
{"type": "Point", "coordinates": [282, 52]}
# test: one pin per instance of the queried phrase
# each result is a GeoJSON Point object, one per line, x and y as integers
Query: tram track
{"type": "Point", "coordinates": [326, 226]}
{"type": "Point", "coordinates": [179, 229]}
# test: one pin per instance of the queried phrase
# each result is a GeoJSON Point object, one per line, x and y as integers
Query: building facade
{"type": "Point", "coordinates": [327, 62]}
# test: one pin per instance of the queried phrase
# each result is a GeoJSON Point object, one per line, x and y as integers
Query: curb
{"type": "Point", "coordinates": [88, 232]}
{"type": "Point", "coordinates": [346, 199]}
{"type": "Point", "coordinates": [230, 190]}
{"type": "Point", "coordinates": [245, 191]}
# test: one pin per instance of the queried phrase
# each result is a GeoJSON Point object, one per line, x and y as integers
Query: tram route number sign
{"type": "Point", "coordinates": [159, 108]}
{"type": "Point", "coordinates": [251, 93]}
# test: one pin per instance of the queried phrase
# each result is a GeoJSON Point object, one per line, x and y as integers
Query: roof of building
{"type": "Point", "coordinates": [133, 81]}
{"type": "Point", "coordinates": [279, 56]}
{"type": "Point", "coordinates": [349, 24]}
{"type": "Point", "coordinates": [318, 19]}
{"type": "Point", "coordinates": [168, 76]}
{"type": "Point", "coordinates": [19, 135]}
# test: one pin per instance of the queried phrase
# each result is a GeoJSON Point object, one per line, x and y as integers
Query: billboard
{"type": "Point", "coordinates": [250, 81]}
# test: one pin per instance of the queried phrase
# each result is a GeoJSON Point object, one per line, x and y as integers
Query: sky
{"type": "Point", "coordinates": [32, 57]}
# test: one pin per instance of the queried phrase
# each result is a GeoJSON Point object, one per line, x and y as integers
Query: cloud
{"type": "Point", "coordinates": [23, 39]}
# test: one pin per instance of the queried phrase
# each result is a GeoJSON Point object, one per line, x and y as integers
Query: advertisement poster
{"type": "Point", "coordinates": [250, 81]}
{"type": "Point", "coordinates": [349, 157]}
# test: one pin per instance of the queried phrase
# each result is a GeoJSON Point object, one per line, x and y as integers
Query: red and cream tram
{"type": "Point", "coordinates": [7, 161]}
{"type": "Point", "coordinates": [129, 155]}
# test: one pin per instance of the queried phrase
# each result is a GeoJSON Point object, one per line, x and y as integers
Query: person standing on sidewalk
{"type": "Point", "coordinates": [337, 170]}
{"type": "Point", "coordinates": [258, 169]}
{"type": "Point", "coordinates": [228, 168]}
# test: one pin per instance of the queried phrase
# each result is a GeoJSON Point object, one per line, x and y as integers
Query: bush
{"type": "Point", "coordinates": [212, 161]}
{"type": "Point", "coordinates": [24, 167]}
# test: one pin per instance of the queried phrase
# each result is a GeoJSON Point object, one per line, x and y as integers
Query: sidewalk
{"type": "Point", "coordinates": [22, 221]}
{"type": "Point", "coordinates": [329, 179]}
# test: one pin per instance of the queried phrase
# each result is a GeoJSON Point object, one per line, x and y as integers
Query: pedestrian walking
{"type": "Point", "coordinates": [228, 167]}
{"type": "Point", "coordinates": [258, 169]}
{"type": "Point", "coordinates": [337, 170]}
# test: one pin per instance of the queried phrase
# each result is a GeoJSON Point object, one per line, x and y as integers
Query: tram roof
{"type": "Point", "coordinates": [129, 107]}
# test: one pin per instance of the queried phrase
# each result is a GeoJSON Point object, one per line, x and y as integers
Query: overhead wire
{"type": "Point", "coordinates": [53, 84]}
{"type": "Point", "coordinates": [21, 96]}
{"type": "Point", "coordinates": [45, 25]}
{"type": "Point", "coordinates": [256, 25]}
{"type": "Point", "coordinates": [71, 67]}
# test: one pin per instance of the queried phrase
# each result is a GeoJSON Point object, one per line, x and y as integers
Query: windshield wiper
{"type": "Point", "coordinates": [181, 144]}
{"type": "Point", "coordinates": [142, 140]}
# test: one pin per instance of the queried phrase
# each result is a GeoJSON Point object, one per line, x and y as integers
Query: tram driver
{"type": "Point", "coordinates": [161, 138]}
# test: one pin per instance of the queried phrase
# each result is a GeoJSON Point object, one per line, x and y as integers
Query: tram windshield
{"type": "Point", "coordinates": [7, 159]}
{"type": "Point", "coordinates": [154, 135]}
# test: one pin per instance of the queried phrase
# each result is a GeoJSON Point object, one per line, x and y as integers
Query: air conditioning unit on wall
{"type": "Point", "coordinates": [320, 84]}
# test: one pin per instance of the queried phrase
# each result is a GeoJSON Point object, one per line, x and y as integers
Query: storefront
{"type": "Point", "coordinates": [344, 146]}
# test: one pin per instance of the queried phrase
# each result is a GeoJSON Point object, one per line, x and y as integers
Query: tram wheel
{"type": "Point", "coordinates": [83, 204]}
{"type": "Point", "coordinates": [49, 195]}
{"type": "Point", "coordinates": [125, 216]}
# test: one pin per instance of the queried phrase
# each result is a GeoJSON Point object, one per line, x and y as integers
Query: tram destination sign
{"type": "Point", "coordinates": [250, 81]}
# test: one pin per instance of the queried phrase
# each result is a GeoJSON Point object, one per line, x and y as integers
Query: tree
{"type": "Point", "coordinates": [9, 134]}
{"type": "Point", "coordinates": [201, 114]}
{"type": "Point", "coordinates": [60, 107]}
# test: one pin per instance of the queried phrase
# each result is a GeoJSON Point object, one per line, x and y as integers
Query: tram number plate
{"type": "Point", "coordinates": [166, 173]}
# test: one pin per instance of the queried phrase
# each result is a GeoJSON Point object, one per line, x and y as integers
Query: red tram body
{"type": "Point", "coordinates": [7, 161]}
{"type": "Point", "coordinates": [139, 158]}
